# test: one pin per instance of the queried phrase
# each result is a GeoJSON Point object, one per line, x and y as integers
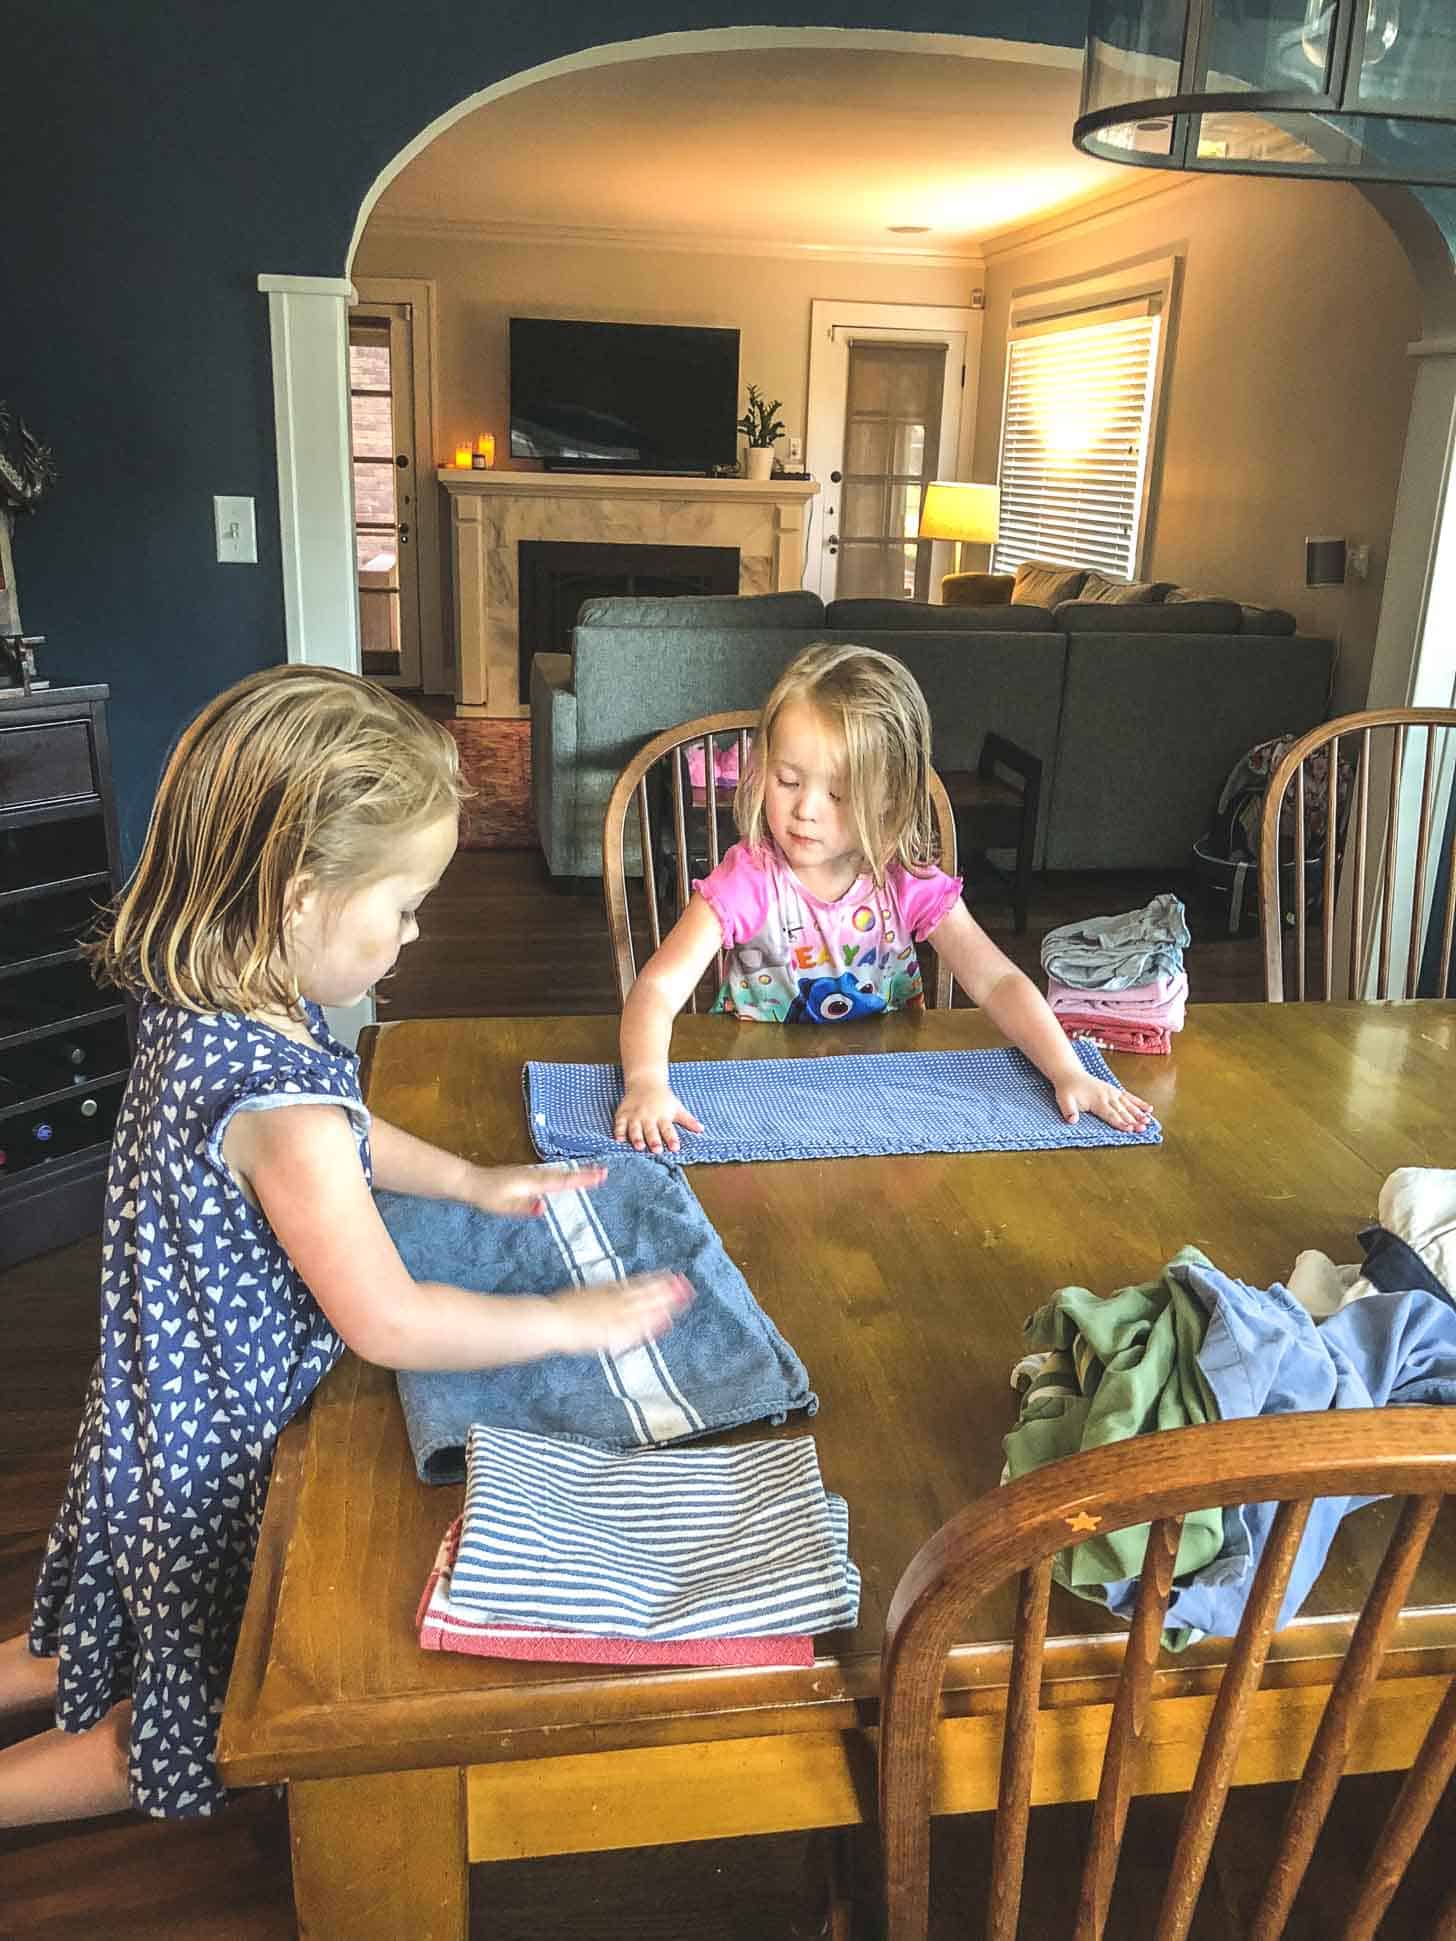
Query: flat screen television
{"type": "Point", "coordinates": [623, 397]}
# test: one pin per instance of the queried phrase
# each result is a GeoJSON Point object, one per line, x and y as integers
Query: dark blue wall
{"type": "Point", "coordinates": [158, 155]}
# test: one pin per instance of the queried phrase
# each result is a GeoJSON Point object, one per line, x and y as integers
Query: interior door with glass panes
{"type": "Point", "coordinates": [381, 410]}
{"type": "Point", "coordinates": [887, 420]}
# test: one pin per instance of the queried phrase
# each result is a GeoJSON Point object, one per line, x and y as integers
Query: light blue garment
{"type": "Point", "coordinates": [1263, 1355]}
{"type": "Point", "coordinates": [1114, 953]}
{"type": "Point", "coordinates": [855, 1106]}
{"type": "Point", "coordinates": [723, 1364]}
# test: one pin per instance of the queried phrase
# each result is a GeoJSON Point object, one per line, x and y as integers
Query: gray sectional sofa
{"type": "Point", "coordinates": [1137, 712]}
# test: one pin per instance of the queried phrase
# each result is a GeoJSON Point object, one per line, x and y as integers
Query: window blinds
{"type": "Point", "coordinates": [1074, 441]}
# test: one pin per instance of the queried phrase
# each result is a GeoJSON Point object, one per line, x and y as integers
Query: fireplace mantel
{"type": "Point", "coordinates": [492, 511]}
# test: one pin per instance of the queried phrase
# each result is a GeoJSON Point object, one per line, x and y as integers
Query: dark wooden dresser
{"type": "Point", "coordinates": [65, 1045]}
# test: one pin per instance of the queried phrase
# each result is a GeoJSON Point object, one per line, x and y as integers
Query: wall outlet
{"type": "Point", "coordinates": [237, 533]}
{"type": "Point", "coordinates": [1359, 561]}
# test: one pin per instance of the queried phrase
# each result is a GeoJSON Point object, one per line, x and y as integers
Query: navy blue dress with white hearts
{"type": "Point", "coordinates": [209, 1343]}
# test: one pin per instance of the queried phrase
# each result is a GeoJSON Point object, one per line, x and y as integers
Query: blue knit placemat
{"type": "Point", "coordinates": [844, 1107]}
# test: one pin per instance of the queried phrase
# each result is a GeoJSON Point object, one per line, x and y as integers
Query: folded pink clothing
{"type": "Point", "coordinates": [444, 1625]}
{"type": "Point", "coordinates": [1162, 1003]}
{"type": "Point", "coordinates": [1117, 1034]}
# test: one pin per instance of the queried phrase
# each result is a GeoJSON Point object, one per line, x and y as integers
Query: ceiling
{"type": "Point", "coordinates": [789, 147]}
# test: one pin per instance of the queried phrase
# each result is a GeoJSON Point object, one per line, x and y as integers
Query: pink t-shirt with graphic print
{"type": "Point", "coordinates": [793, 956]}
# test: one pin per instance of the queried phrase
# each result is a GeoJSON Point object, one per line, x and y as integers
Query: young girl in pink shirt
{"type": "Point", "coordinates": [821, 905]}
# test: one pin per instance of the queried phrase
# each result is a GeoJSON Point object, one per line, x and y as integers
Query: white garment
{"type": "Point", "coordinates": [1417, 1203]}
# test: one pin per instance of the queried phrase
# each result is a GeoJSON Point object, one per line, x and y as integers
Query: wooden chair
{"type": "Point", "coordinates": [1380, 737]}
{"type": "Point", "coordinates": [994, 813]}
{"type": "Point", "coordinates": [694, 820]}
{"type": "Point", "coordinates": [1018, 1530]}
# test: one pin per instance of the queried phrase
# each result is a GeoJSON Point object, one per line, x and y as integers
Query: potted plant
{"type": "Point", "coordinates": [760, 427]}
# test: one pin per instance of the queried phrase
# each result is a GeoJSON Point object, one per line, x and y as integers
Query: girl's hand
{"type": "Point", "coordinates": [1123, 1110]}
{"type": "Point", "coordinates": [649, 1116]}
{"type": "Point", "coordinates": [620, 1315]}
{"type": "Point", "coordinates": [522, 1191]}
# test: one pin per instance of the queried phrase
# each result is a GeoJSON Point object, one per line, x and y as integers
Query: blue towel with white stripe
{"type": "Point", "coordinates": [722, 1365]}
{"type": "Point", "coordinates": [849, 1106]}
{"type": "Point", "coordinates": [665, 1543]}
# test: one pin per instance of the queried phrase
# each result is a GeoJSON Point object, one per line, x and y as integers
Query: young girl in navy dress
{"type": "Point", "coordinates": [300, 824]}
{"type": "Point", "coordinates": [820, 906]}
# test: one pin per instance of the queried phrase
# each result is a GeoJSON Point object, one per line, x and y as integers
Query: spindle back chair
{"type": "Point", "coordinates": [1158, 1479]}
{"type": "Point", "coordinates": [1379, 736]}
{"type": "Point", "coordinates": [682, 824]}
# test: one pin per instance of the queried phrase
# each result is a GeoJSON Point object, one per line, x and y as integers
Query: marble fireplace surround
{"type": "Point", "coordinates": [492, 511]}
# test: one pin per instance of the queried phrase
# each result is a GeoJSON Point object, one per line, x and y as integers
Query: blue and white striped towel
{"type": "Point", "coordinates": [848, 1106]}
{"type": "Point", "coordinates": [656, 1543]}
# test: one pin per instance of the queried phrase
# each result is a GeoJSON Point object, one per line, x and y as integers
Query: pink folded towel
{"type": "Point", "coordinates": [447, 1626]}
{"type": "Point", "coordinates": [1160, 1005]}
{"type": "Point", "coordinates": [1116, 1034]}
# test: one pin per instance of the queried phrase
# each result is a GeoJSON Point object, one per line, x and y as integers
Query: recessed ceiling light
{"type": "Point", "coordinates": [909, 228]}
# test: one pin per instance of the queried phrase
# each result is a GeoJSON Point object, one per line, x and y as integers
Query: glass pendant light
{"type": "Point", "coordinates": [1352, 90]}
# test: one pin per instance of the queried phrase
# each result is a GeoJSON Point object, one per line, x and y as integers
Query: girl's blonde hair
{"type": "Point", "coordinates": [297, 773]}
{"type": "Point", "coordinates": [875, 704]}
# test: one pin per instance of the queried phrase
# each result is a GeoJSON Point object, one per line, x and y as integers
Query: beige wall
{"type": "Point", "coordinates": [1287, 391]}
{"type": "Point", "coordinates": [481, 284]}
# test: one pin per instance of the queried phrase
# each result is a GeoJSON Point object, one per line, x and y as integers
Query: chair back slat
{"type": "Point", "coordinates": [1348, 873]}
{"type": "Point", "coordinates": [679, 802]}
{"type": "Point", "coordinates": [1227, 1724]}
{"type": "Point", "coordinates": [1301, 901]}
{"type": "Point", "coordinates": [1018, 1752]}
{"type": "Point", "coordinates": [1423, 850]}
{"type": "Point", "coordinates": [1155, 1480]}
{"type": "Point", "coordinates": [1353, 1686]}
{"type": "Point", "coordinates": [1387, 884]}
{"type": "Point", "coordinates": [1357, 927]}
{"type": "Point", "coordinates": [1419, 1796]}
{"type": "Point", "coordinates": [649, 869]}
{"type": "Point", "coordinates": [1129, 1720]}
{"type": "Point", "coordinates": [1330, 878]}
{"type": "Point", "coordinates": [1449, 922]}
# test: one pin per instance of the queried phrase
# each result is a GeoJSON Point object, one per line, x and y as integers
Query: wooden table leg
{"type": "Point", "coordinates": [380, 1856]}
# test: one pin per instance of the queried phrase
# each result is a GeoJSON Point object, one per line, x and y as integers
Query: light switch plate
{"type": "Point", "coordinates": [237, 533]}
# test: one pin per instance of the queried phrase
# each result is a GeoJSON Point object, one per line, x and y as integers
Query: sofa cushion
{"type": "Point", "coordinates": [1042, 583]}
{"type": "Point", "coordinates": [1123, 593]}
{"type": "Point", "coordinates": [917, 616]}
{"type": "Point", "coordinates": [976, 589]}
{"type": "Point", "coordinates": [706, 610]}
{"type": "Point", "coordinates": [1192, 617]}
{"type": "Point", "coordinates": [1267, 620]}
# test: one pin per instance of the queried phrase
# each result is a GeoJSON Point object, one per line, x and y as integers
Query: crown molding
{"type": "Point", "coordinates": [1084, 212]}
{"type": "Point", "coordinates": [558, 235]}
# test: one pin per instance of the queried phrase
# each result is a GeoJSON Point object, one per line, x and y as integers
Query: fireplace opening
{"type": "Point", "coordinates": [557, 576]}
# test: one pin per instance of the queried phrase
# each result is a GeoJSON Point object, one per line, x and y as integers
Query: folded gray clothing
{"type": "Point", "coordinates": [723, 1364]}
{"type": "Point", "coordinates": [1115, 953]}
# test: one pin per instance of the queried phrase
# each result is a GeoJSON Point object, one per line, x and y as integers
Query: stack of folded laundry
{"type": "Point", "coordinates": [653, 1557]}
{"type": "Point", "coordinates": [1119, 981]}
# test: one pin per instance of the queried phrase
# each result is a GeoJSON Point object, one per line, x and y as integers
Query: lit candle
{"type": "Point", "coordinates": [485, 447]}
{"type": "Point", "coordinates": [462, 457]}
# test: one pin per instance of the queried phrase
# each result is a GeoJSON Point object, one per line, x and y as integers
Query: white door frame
{"type": "Point", "coordinates": [437, 670]}
{"type": "Point", "coordinates": [951, 325]}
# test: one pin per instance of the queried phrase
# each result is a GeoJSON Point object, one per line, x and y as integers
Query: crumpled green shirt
{"type": "Point", "coordinates": [1119, 1365]}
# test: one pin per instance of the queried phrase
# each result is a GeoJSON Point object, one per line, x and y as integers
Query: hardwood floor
{"type": "Point", "coordinates": [498, 937]}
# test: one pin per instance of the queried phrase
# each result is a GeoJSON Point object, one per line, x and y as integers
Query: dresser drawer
{"type": "Point", "coordinates": [45, 763]}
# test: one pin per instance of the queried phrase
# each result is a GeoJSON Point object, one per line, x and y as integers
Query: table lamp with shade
{"type": "Point", "coordinates": [962, 512]}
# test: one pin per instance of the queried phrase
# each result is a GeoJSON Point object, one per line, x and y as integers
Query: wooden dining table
{"type": "Point", "coordinates": [903, 1282]}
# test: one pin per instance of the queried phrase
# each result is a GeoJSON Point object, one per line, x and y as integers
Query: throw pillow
{"type": "Point", "coordinates": [1123, 593]}
{"type": "Point", "coordinates": [1042, 583]}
